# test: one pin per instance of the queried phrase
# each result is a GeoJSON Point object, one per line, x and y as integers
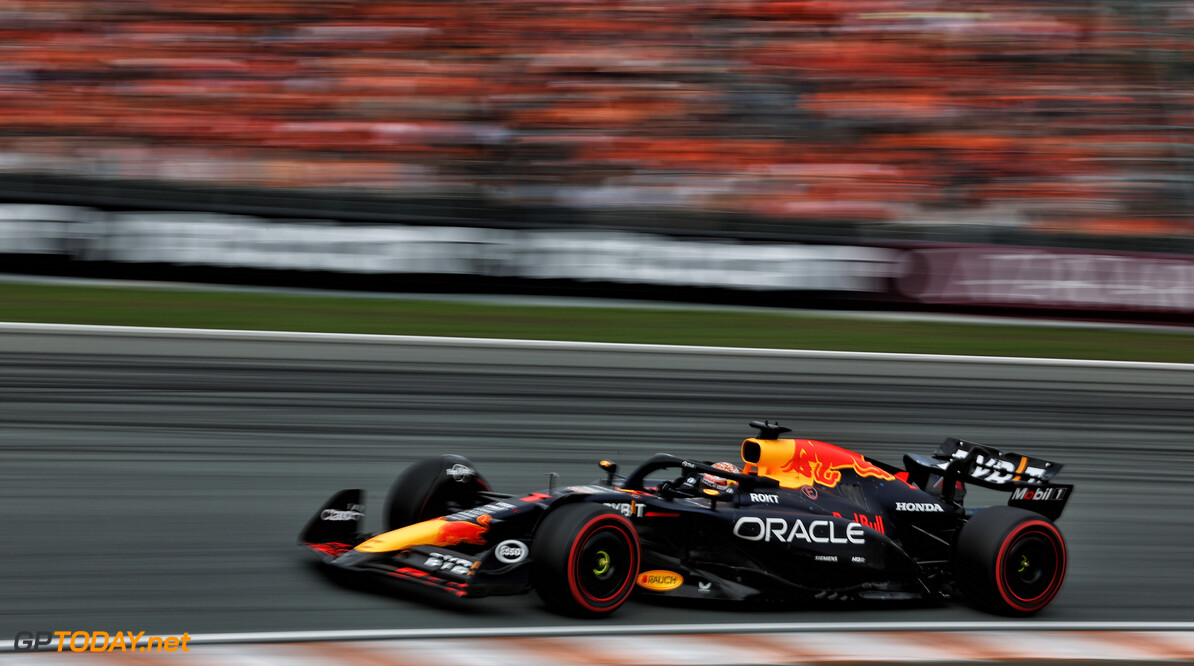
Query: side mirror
{"type": "Point", "coordinates": [610, 468]}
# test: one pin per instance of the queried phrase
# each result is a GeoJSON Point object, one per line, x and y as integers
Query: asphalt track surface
{"type": "Point", "coordinates": [156, 481]}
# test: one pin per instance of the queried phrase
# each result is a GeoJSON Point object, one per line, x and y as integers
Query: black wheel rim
{"type": "Point", "coordinates": [603, 563]}
{"type": "Point", "coordinates": [1030, 567]}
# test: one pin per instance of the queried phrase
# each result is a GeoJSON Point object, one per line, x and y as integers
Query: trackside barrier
{"type": "Point", "coordinates": [955, 276]}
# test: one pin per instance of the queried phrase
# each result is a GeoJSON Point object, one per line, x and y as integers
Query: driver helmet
{"type": "Point", "coordinates": [718, 483]}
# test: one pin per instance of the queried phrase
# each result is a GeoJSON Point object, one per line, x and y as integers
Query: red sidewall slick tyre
{"type": "Point", "coordinates": [1010, 561]}
{"type": "Point", "coordinates": [586, 558]}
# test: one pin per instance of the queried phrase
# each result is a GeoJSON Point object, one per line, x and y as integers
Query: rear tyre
{"type": "Point", "coordinates": [434, 487]}
{"type": "Point", "coordinates": [1009, 561]}
{"type": "Point", "coordinates": [586, 558]}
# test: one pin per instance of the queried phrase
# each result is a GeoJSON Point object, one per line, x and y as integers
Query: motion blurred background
{"type": "Point", "coordinates": [1053, 123]}
{"type": "Point", "coordinates": [1029, 157]}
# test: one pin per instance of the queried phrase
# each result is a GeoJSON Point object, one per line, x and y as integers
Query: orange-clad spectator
{"type": "Point", "coordinates": [1063, 115]}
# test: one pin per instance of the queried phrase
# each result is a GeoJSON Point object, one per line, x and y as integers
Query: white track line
{"type": "Point", "coordinates": [718, 628]}
{"type": "Point", "coordinates": [508, 343]}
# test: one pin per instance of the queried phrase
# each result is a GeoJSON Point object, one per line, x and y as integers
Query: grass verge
{"type": "Point", "coordinates": [136, 306]}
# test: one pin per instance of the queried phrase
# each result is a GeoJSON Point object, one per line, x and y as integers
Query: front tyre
{"type": "Point", "coordinates": [434, 487]}
{"type": "Point", "coordinates": [586, 557]}
{"type": "Point", "coordinates": [1009, 561]}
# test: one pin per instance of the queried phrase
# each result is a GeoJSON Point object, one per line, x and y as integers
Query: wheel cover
{"type": "Point", "coordinates": [1031, 568]}
{"type": "Point", "coordinates": [603, 565]}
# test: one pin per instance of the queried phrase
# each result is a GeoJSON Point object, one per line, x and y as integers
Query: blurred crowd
{"type": "Point", "coordinates": [1058, 115]}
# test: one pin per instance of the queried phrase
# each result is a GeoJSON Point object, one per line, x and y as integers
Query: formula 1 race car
{"type": "Point", "coordinates": [802, 520]}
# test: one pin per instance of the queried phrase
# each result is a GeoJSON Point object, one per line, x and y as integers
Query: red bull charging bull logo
{"type": "Point", "coordinates": [456, 532]}
{"type": "Point", "coordinates": [803, 462]}
{"type": "Point", "coordinates": [820, 462]}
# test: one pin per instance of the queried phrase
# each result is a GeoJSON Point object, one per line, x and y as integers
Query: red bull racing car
{"type": "Point", "coordinates": [801, 520]}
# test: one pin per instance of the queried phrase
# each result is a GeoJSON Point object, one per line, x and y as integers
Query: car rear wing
{"type": "Point", "coordinates": [1028, 479]}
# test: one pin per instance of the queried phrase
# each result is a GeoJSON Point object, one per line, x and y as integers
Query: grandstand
{"type": "Point", "coordinates": [1051, 119]}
